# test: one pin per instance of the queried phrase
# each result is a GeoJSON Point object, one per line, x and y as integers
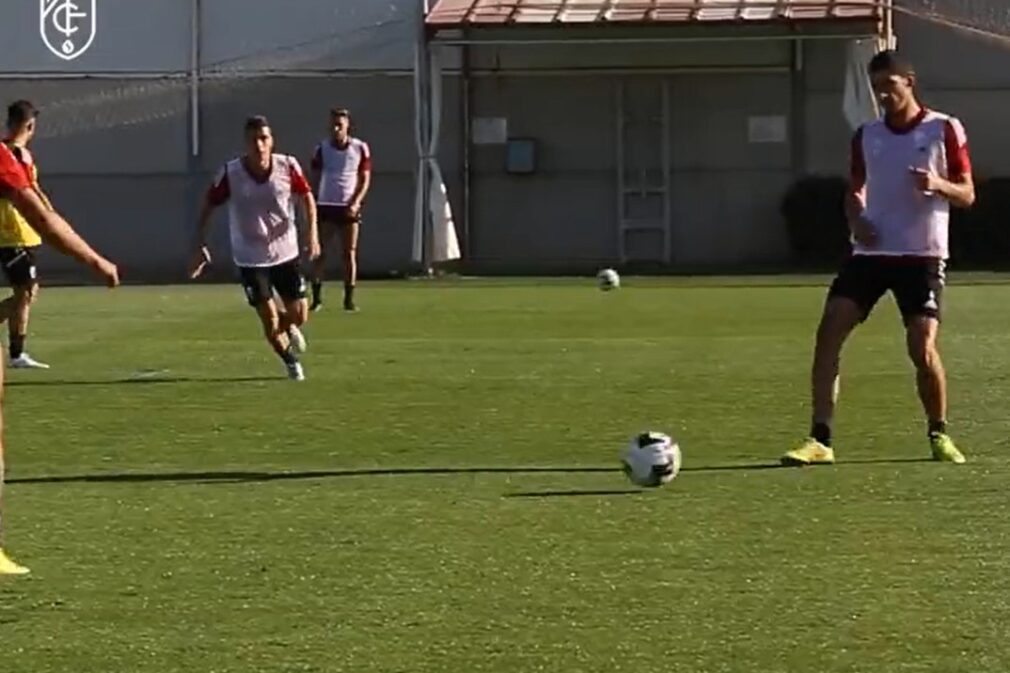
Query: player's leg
{"type": "Point", "coordinates": [289, 283]}
{"type": "Point", "coordinates": [279, 339]}
{"type": "Point", "coordinates": [256, 282]}
{"type": "Point", "coordinates": [349, 243]}
{"type": "Point", "coordinates": [327, 232]}
{"type": "Point", "coordinates": [9, 257]}
{"type": "Point", "coordinates": [853, 294]}
{"type": "Point", "coordinates": [919, 291]}
{"type": "Point", "coordinates": [931, 380]}
{"type": "Point", "coordinates": [24, 296]}
{"type": "Point", "coordinates": [296, 314]}
{"type": "Point", "coordinates": [7, 566]}
{"type": "Point", "coordinates": [841, 316]}
{"type": "Point", "coordinates": [26, 290]}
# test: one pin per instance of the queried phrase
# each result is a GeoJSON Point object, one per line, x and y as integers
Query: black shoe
{"type": "Point", "coordinates": [350, 306]}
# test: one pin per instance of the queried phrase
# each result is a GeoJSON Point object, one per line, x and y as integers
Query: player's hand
{"type": "Point", "coordinates": [201, 258]}
{"type": "Point", "coordinates": [926, 181]}
{"type": "Point", "coordinates": [354, 210]}
{"type": "Point", "coordinates": [863, 231]}
{"type": "Point", "coordinates": [108, 271]}
{"type": "Point", "coordinates": [315, 250]}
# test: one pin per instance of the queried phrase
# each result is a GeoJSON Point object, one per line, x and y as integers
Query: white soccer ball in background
{"type": "Point", "coordinates": [651, 459]}
{"type": "Point", "coordinates": [608, 280]}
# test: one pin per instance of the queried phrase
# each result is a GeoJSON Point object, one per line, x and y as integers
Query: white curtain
{"type": "Point", "coordinates": [444, 244]}
{"type": "Point", "coordinates": [428, 102]}
{"type": "Point", "coordinates": [420, 124]}
{"type": "Point", "coordinates": [858, 102]}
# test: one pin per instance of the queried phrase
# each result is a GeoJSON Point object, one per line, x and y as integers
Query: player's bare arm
{"type": "Point", "coordinates": [315, 177]}
{"type": "Point", "coordinates": [855, 206]}
{"type": "Point", "coordinates": [861, 228]}
{"type": "Point", "coordinates": [201, 256]}
{"type": "Point", "coordinates": [360, 192]}
{"type": "Point", "coordinates": [312, 216]}
{"type": "Point", "coordinates": [57, 232]}
{"type": "Point", "coordinates": [960, 190]}
{"type": "Point", "coordinates": [43, 196]}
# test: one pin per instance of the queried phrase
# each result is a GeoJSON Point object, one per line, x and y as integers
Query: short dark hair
{"type": "Point", "coordinates": [19, 113]}
{"type": "Point", "coordinates": [256, 123]}
{"type": "Point", "coordinates": [340, 112]}
{"type": "Point", "coordinates": [890, 61]}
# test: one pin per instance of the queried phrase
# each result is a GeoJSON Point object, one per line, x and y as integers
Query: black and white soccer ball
{"type": "Point", "coordinates": [608, 279]}
{"type": "Point", "coordinates": [651, 459]}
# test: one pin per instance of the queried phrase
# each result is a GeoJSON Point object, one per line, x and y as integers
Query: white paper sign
{"type": "Point", "coordinates": [771, 129]}
{"type": "Point", "coordinates": [490, 130]}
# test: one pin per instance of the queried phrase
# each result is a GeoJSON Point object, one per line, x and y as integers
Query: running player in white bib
{"type": "Point", "coordinates": [907, 170]}
{"type": "Point", "coordinates": [259, 188]}
{"type": "Point", "coordinates": [342, 169]}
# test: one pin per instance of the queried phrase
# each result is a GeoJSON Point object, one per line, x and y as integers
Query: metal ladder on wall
{"type": "Point", "coordinates": [643, 170]}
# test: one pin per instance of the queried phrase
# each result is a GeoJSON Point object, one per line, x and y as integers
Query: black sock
{"type": "Point", "coordinates": [938, 427]}
{"type": "Point", "coordinates": [17, 345]}
{"type": "Point", "coordinates": [317, 291]}
{"type": "Point", "coordinates": [822, 433]}
{"type": "Point", "coordinates": [289, 356]}
{"type": "Point", "coordinates": [348, 293]}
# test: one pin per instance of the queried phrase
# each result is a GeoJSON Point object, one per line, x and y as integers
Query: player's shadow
{"type": "Point", "coordinates": [142, 381]}
{"type": "Point", "coordinates": [576, 494]}
{"type": "Point", "coordinates": [239, 477]}
{"type": "Point", "coordinates": [636, 491]}
{"type": "Point", "coordinates": [885, 461]}
{"type": "Point", "coordinates": [704, 469]}
{"type": "Point", "coordinates": [226, 477]}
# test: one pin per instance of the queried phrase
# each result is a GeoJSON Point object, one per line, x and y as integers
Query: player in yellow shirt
{"type": "Point", "coordinates": [57, 232]}
{"type": "Point", "coordinates": [18, 241]}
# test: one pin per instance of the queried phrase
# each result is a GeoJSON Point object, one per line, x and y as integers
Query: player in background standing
{"type": "Point", "coordinates": [259, 188]}
{"type": "Point", "coordinates": [907, 169]}
{"type": "Point", "coordinates": [18, 241]}
{"type": "Point", "coordinates": [16, 187]}
{"type": "Point", "coordinates": [342, 173]}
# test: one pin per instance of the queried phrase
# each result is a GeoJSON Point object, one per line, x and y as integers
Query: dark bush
{"type": "Point", "coordinates": [979, 236]}
{"type": "Point", "coordinates": [813, 209]}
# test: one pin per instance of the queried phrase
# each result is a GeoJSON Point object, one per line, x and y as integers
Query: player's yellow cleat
{"type": "Point", "coordinates": [944, 449]}
{"type": "Point", "coordinates": [810, 452]}
{"type": "Point", "coordinates": [9, 567]}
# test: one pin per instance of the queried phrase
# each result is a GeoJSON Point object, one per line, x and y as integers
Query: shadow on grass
{"type": "Point", "coordinates": [712, 468]}
{"type": "Point", "coordinates": [239, 476]}
{"type": "Point", "coordinates": [573, 494]}
{"type": "Point", "coordinates": [246, 477]}
{"type": "Point", "coordinates": [141, 380]}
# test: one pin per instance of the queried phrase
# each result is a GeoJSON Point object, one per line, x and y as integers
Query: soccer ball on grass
{"type": "Point", "coordinates": [651, 459]}
{"type": "Point", "coordinates": [608, 280]}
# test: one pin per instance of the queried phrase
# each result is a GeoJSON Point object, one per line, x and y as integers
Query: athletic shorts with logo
{"type": "Point", "coordinates": [260, 282]}
{"type": "Point", "coordinates": [19, 265]}
{"type": "Point", "coordinates": [916, 282]}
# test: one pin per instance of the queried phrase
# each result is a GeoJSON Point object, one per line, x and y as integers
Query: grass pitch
{"type": "Point", "coordinates": [443, 493]}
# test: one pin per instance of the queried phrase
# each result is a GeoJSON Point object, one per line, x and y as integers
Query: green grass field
{"type": "Point", "coordinates": [443, 493]}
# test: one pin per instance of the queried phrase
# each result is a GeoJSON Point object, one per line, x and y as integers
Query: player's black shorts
{"type": "Point", "coordinates": [338, 215]}
{"type": "Point", "coordinates": [260, 282]}
{"type": "Point", "coordinates": [916, 283]}
{"type": "Point", "coordinates": [19, 265]}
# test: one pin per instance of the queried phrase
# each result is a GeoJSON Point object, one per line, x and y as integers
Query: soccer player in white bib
{"type": "Point", "coordinates": [907, 170]}
{"type": "Point", "coordinates": [342, 169]}
{"type": "Point", "coordinates": [260, 188]}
